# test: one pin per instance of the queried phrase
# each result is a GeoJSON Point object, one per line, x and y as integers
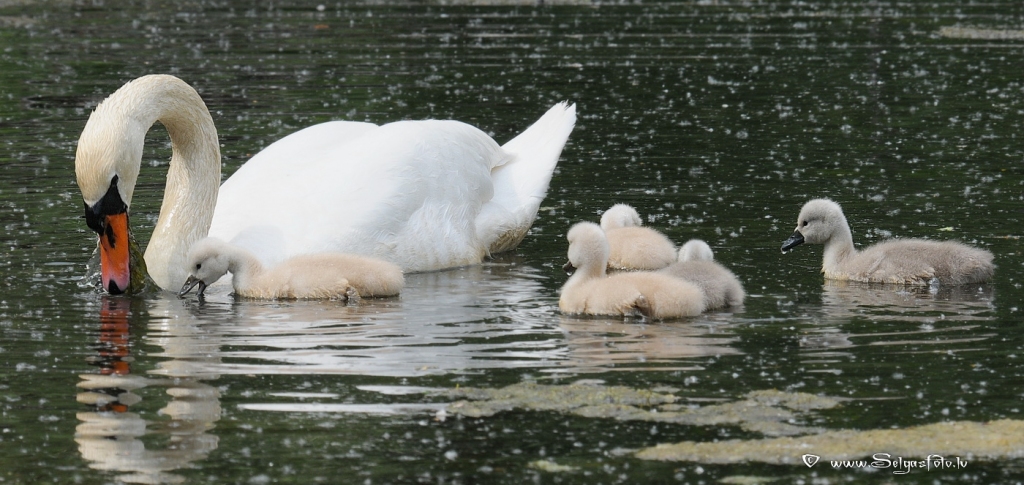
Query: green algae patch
{"type": "Point", "coordinates": [551, 467]}
{"type": "Point", "coordinates": [139, 281]}
{"type": "Point", "coordinates": [742, 414]}
{"type": "Point", "coordinates": [487, 402]}
{"type": "Point", "coordinates": [951, 32]}
{"type": "Point", "coordinates": [769, 412]}
{"type": "Point", "coordinates": [989, 441]}
{"type": "Point", "coordinates": [746, 480]}
{"type": "Point", "coordinates": [798, 401]}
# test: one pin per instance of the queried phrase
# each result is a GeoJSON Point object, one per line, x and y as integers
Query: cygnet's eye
{"type": "Point", "coordinates": [199, 265]}
{"type": "Point", "coordinates": [803, 224]}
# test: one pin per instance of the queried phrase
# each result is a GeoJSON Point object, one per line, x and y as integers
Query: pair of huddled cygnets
{"type": "Point", "coordinates": [687, 282]}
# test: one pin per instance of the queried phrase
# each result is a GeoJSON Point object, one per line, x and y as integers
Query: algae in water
{"type": "Point", "coordinates": [769, 412]}
{"type": "Point", "coordinates": [972, 440]}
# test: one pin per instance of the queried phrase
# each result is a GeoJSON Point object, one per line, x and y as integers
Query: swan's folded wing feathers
{"type": "Point", "coordinates": [403, 194]}
{"type": "Point", "coordinates": [897, 261]}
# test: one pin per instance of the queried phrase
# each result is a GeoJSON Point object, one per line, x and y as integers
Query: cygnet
{"type": "Point", "coordinates": [311, 276]}
{"type": "Point", "coordinates": [634, 247]}
{"type": "Point", "coordinates": [591, 291]}
{"type": "Point", "coordinates": [898, 261]}
{"type": "Point", "coordinates": [696, 264]}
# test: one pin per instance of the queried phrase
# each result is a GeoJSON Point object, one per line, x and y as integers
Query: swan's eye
{"type": "Point", "coordinates": [803, 224]}
{"type": "Point", "coordinates": [198, 266]}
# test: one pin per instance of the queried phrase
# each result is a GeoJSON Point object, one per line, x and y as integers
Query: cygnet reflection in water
{"type": "Point", "coordinates": [601, 344]}
{"type": "Point", "coordinates": [850, 310]}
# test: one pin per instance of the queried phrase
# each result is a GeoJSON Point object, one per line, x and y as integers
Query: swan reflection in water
{"type": "Point", "coordinates": [110, 436]}
{"type": "Point", "coordinates": [940, 318]}
{"type": "Point", "coordinates": [495, 315]}
{"type": "Point", "coordinates": [477, 317]}
{"type": "Point", "coordinates": [492, 316]}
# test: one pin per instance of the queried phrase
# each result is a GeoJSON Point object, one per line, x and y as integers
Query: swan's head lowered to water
{"type": "Point", "coordinates": [431, 194]}
{"type": "Point", "coordinates": [107, 166]}
{"type": "Point", "coordinates": [108, 216]}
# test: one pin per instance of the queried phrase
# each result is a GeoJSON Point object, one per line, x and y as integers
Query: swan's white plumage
{"type": "Point", "coordinates": [419, 186]}
{"type": "Point", "coordinates": [519, 187]}
{"type": "Point", "coordinates": [423, 194]}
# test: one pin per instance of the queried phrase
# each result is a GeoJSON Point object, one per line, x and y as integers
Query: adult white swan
{"type": "Point", "coordinates": [425, 195]}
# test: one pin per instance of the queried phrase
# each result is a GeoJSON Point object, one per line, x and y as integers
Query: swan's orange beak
{"type": "Point", "coordinates": [109, 218]}
{"type": "Point", "coordinates": [114, 256]}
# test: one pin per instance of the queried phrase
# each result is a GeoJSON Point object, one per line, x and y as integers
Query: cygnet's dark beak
{"type": "Point", "coordinates": [795, 240]}
{"type": "Point", "coordinates": [569, 268]}
{"type": "Point", "coordinates": [190, 283]}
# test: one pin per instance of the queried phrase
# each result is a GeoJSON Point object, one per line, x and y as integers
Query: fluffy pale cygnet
{"type": "Point", "coordinates": [311, 276]}
{"type": "Point", "coordinates": [633, 246]}
{"type": "Point", "coordinates": [696, 264]}
{"type": "Point", "coordinates": [899, 261]}
{"type": "Point", "coordinates": [591, 291]}
{"type": "Point", "coordinates": [696, 250]}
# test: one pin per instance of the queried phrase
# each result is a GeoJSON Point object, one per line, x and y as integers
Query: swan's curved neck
{"type": "Point", "coordinates": [112, 144]}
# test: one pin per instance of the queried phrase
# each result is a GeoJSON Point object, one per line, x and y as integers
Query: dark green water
{"type": "Point", "coordinates": [717, 120]}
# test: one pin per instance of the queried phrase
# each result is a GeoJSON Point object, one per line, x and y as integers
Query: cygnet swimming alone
{"type": "Point", "coordinates": [632, 246]}
{"type": "Point", "coordinates": [311, 276]}
{"type": "Point", "coordinates": [696, 264]}
{"type": "Point", "coordinates": [898, 261]}
{"type": "Point", "coordinates": [591, 291]}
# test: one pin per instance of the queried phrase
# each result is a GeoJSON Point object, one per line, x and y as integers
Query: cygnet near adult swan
{"type": "Point", "coordinates": [900, 261]}
{"type": "Point", "coordinates": [424, 195]}
{"type": "Point", "coordinates": [312, 276]}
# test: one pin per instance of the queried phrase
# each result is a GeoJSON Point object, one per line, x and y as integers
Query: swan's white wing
{"type": "Point", "coordinates": [408, 192]}
{"type": "Point", "coordinates": [301, 150]}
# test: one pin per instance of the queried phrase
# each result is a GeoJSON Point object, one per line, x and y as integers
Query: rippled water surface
{"type": "Point", "coordinates": [717, 120]}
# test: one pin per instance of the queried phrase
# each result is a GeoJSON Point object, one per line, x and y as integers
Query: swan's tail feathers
{"type": "Point", "coordinates": [521, 183]}
{"type": "Point", "coordinates": [543, 140]}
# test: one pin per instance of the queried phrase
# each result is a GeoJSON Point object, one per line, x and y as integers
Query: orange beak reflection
{"type": "Point", "coordinates": [114, 254]}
